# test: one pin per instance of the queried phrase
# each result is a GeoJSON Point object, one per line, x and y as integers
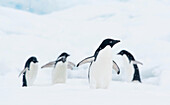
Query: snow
{"type": "Point", "coordinates": [76, 91]}
{"type": "Point", "coordinates": [142, 26]}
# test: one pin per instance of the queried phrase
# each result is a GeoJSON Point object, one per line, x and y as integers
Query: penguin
{"type": "Point", "coordinates": [131, 69]}
{"type": "Point", "coordinates": [101, 64]}
{"type": "Point", "coordinates": [60, 66]}
{"type": "Point", "coordinates": [30, 72]}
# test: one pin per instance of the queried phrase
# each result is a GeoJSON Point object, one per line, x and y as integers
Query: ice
{"type": "Point", "coordinates": [142, 27]}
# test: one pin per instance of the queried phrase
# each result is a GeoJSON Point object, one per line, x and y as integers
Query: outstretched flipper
{"type": "Point", "coordinates": [50, 64]}
{"type": "Point", "coordinates": [116, 67]}
{"type": "Point", "coordinates": [21, 72]}
{"type": "Point", "coordinates": [70, 65]}
{"type": "Point", "coordinates": [86, 60]}
{"type": "Point", "coordinates": [137, 62]}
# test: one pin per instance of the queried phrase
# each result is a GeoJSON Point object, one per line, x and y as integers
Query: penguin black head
{"type": "Point", "coordinates": [63, 57]}
{"type": "Point", "coordinates": [28, 62]}
{"type": "Point", "coordinates": [106, 42]}
{"type": "Point", "coordinates": [64, 54]}
{"type": "Point", "coordinates": [129, 55]}
{"type": "Point", "coordinates": [110, 42]}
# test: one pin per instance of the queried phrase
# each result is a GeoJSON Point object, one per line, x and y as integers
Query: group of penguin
{"type": "Point", "coordinates": [100, 68]}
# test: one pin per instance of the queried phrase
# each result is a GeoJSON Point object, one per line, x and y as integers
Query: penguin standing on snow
{"type": "Point", "coordinates": [100, 69]}
{"type": "Point", "coordinates": [59, 73]}
{"type": "Point", "coordinates": [131, 68]}
{"type": "Point", "coordinates": [29, 72]}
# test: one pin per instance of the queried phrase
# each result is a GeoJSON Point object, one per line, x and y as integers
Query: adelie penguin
{"type": "Point", "coordinates": [60, 66]}
{"type": "Point", "coordinates": [131, 70]}
{"type": "Point", "coordinates": [29, 72]}
{"type": "Point", "coordinates": [101, 65]}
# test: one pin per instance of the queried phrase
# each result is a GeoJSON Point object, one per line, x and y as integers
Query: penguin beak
{"type": "Point", "coordinates": [117, 41]}
{"type": "Point", "coordinates": [119, 53]}
{"type": "Point", "coordinates": [35, 61]}
{"type": "Point", "coordinates": [114, 42]}
{"type": "Point", "coordinates": [68, 55]}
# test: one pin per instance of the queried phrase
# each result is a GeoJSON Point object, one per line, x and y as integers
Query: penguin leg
{"type": "Point", "coordinates": [24, 80]}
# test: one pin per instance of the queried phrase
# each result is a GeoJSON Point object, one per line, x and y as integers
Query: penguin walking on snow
{"type": "Point", "coordinates": [60, 66]}
{"type": "Point", "coordinates": [131, 68]}
{"type": "Point", "coordinates": [100, 69]}
{"type": "Point", "coordinates": [29, 72]}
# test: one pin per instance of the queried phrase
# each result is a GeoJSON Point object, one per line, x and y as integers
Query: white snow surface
{"type": "Point", "coordinates": [143, 27]}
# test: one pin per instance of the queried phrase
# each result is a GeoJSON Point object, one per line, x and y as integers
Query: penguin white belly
{"type": "Point", "coordinates": [101, 69]}
{"type": "Point", "coordinates": [59, 74]}
{"type": "Point", "coordinates": [128, 70]}
{"type": "Point", "coordinates": [31, 74]}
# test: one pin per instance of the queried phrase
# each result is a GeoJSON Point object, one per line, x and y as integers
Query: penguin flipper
{"type": "Point", "coordinates": [116, 67]}
{"type": "Point", "coordinates": [86, 60]}
{"type": "Point", "coordinates": [21, 72]}
{"type": "Point", "coordinates": [137, 62]}
{"type": "Point", "coordinates": [70, 65]}
{"type": "Point", "coordinates": [50, 64]}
